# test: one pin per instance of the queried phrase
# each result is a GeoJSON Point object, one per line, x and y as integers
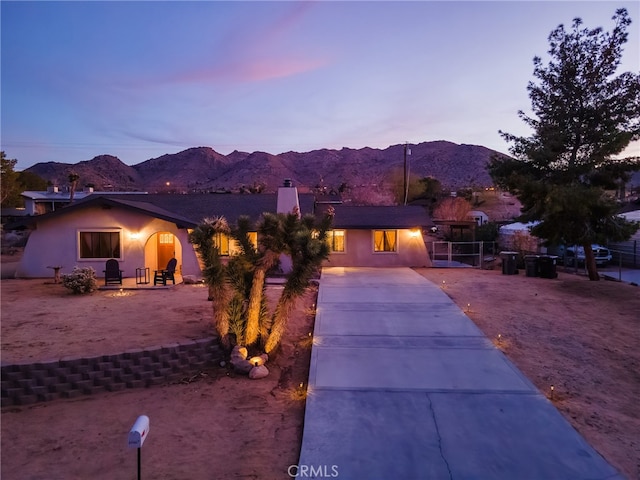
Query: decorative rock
{"type": "Point", "coordinates": [240, 352]}
{"type": "Point", "coordinates": [264, 357]}
{"type": "Point", "coordinates": [223, 363]}
{"type": "Point", "coordinates": [258, 372]}
{"type": "Point", "coordinates": [189, 280]}
{"type": "Point", "coordinates": [242, 366]}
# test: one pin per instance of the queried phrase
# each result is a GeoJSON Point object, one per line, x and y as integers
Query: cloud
{"type": "Point", "coordinates": [258, 52]}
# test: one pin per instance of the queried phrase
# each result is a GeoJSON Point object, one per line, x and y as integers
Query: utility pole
{"type": "Point", "coordinates": [407, 151]}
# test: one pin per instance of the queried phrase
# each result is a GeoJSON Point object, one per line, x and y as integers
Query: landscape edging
{"type": "Point", "coordinates": [28, 383]}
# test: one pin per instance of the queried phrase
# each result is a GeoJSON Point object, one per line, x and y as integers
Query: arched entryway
{"type": "Point", "coordinates": [166, 247]}
{"type": "Point", "coordinates": [162, 247]}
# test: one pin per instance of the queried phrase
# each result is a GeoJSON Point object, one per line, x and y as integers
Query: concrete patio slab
{"type": "Point", "coordinates": [501, 436]}
{"type": "Point", "coordinates": [372, 435]}
{"type": "Point", "coordinates": [405, 319]}
{"type": "Point", "coordinates": [457, 369]}
{"type": "Point", "coordinates": [374, 294]}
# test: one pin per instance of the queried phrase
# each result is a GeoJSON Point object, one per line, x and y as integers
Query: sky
{"type": "Point", "coordinates": [138, 80]}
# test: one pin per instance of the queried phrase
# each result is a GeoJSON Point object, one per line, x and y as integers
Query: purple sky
{"type": "Point", "coordinates": [141, 79]}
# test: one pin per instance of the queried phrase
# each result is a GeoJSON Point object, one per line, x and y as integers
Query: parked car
{"type": "Point", "coordinates": [576, 254]}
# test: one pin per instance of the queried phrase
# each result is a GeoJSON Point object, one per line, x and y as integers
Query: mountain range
{"type": "Point", "coordinates": [202, 169]}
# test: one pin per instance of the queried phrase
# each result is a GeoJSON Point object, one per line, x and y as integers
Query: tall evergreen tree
{"type": "Point", "coordinates": [583, 117]}
{"type": "Point", "coordinates": [9, 187]}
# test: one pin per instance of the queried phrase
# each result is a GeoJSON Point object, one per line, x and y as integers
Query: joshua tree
{"type": "Point", "coordinates": [237, 287]}
{"type": "Point", "coordinates": [215, 272]}
{"type": "Point", "coordinates": [270, 233]}
{"type": "Point", "coordinates": [305, 242]}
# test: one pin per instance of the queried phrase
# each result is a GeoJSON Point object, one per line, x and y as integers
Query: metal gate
{"type": "Point", "coordinates": [462, 254]}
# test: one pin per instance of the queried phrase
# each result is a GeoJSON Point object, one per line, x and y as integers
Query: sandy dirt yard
{"type": "Point", "coordinates": [219, 426]}
{"type": "Point", "coordinates": [580, 336]}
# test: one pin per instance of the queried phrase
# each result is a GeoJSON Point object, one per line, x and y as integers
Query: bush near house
{"type": "Point", "coordinates": [80, 280]}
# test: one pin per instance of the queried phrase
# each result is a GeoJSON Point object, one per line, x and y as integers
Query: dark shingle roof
{"type": "Point", "coordinates": [126, 203]}
{"type": "Point", "coordinates": [187, 211]}
{"type": "Point", "coordinates": [199, 206]}
{"type": "Point", "coordinates": [368, 217]}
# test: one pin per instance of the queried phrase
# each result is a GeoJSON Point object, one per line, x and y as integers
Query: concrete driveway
{"type": "Point", "coordinates": [403, 385]}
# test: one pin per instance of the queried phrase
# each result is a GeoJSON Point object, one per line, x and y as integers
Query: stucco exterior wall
{"type": "Point", "coordinates": [55, 242]}
{"type": "Point", "coordinates": [411, 251]}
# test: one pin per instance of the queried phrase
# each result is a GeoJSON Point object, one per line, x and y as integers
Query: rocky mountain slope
{"type": "Point", "coordinates": [204, 169]}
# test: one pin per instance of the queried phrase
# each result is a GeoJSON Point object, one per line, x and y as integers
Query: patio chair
{"type": "Point", "coordinates": [166, 274]}
{"type": "Point", "coordinates": [112, 272]}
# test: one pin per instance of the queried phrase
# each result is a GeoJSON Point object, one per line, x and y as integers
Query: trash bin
{"type": "Point", "coordinates": [509, 263]}
{"type": "Point", "coordinates": [532, 265]}
{"type": "Point", "coordinates": [548, 266]}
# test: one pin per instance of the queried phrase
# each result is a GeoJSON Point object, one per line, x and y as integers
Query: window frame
{"type": "Point", "coordinates": [384, 251]}
{"type": "Point", "coordinates": [331, 240]}
{"type": "Point", "coordinates": [79, 235]}
{"type": "Point", "coordinates": [217, 240]}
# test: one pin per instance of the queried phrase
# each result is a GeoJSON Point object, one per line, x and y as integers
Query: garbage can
{"type": "Point", "coordinates": [509, 263]}
{"type": "Point", "coordinates": [548, 266]}
{"type": "Point", "coordinates": [532, 265]}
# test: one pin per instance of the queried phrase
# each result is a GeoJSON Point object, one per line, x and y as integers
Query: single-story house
{"type": "Point", "coordinates": [378, 236]}
{"type": "Point", "coordinates": [55, 198]}
{"type": "Point", "coordinates": [146, 230]}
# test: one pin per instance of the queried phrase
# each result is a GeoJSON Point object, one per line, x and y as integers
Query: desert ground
{"type": "Point", "coordinates": [580, 336]}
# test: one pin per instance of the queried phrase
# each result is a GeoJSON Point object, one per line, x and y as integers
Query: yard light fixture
{"type": "Point", "coordinates": [256, 361]}
{"type": "Point", "coordinates": [552, 389]}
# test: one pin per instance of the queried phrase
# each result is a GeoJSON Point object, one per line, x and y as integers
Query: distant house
{"type": "Point", "coordinates": [146, 230]}
{"type": "Point", "coordinates": [479, 216]}
{"type": "Point", "coordinates": [37, 203]}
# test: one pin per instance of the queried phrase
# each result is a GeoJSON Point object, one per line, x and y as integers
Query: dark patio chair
{"type": "Point", "coordinates": [112, 272]}
{"type": "Point", "coordinates": [166, 274]}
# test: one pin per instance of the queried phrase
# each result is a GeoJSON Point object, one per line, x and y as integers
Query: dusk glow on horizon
{"type": "Point", "coordinates": [141, 79]}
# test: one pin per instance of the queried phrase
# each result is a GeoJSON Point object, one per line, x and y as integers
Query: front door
{"type": "Point", "coordinates": [166, 248]}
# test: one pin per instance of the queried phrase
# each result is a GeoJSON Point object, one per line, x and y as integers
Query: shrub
{"type": "Point", "coordinates": [80, 280]}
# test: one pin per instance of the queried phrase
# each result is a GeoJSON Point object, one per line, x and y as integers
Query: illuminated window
{"type": "Point", "coordinates": [100, 244]}
{"type": "Point", "coordinates": [335, 239]}
{"type": "Point", "coordinates": [221, 242]}
{"type": "Point", "coordinates": [384, 241]}
{"type": "Point", "coordinates": [235, 249]}
{"type": "Point", "coordinates": [166, 238]}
